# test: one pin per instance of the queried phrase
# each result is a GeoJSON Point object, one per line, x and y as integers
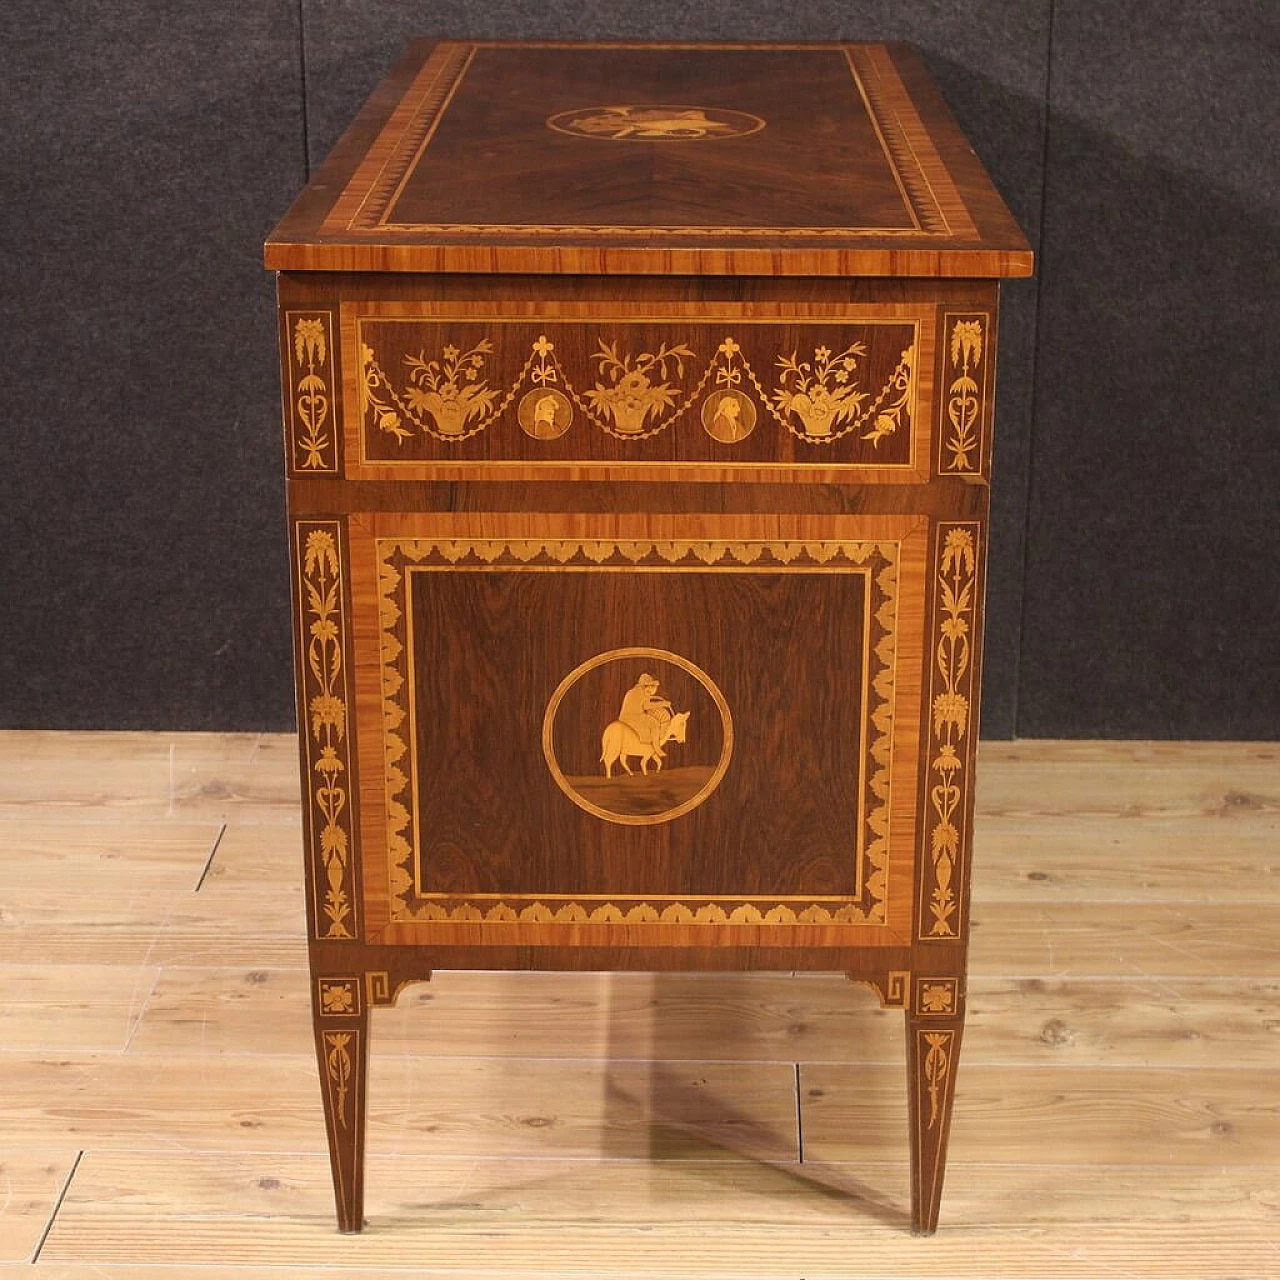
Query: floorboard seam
{"type": "Point", "coordinates": [208, 862]}
{"type": "Point", "coordinates": [62, 1195]}
{"type": "Point", "coordinates": [799, 1120]}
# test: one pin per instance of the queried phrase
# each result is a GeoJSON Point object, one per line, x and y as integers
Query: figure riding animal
{"type": "Point", "coordinates": [620, 741]}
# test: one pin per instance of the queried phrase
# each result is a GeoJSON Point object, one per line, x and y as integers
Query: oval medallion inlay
{"type": "Point", "coordinates": [637, 736]}
{"type": "Point", "coordinates": [655, 123]}
{"type": "Point", "coordinates": [728, 416]}
{"type": "Point", "coordinates": [544, 414]}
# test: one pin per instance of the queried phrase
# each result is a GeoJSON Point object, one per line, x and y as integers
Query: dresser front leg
{"type": "Point", "coordinates": [933, 1050]}
{"type": "Point", "coordinates": [341, 1020]}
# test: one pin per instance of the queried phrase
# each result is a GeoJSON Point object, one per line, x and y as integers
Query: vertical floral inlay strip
{"type": "Point", "coordinates": [950, 757]}
{"type": "Point", "coordinates": [338, 1067]}
{"type": "Point", "coordinates": [962, 432]}
{"type": "Point", "coordinates": [314, 440]}
{"type": "Point", "coordinates": [325, 718]}
{"type": "Point", "coordinates": [937, 1067]}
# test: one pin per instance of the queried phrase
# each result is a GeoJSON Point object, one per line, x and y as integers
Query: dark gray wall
{"type": "Point", "coordinates": [150, 147]}
{"type": "Point", "coordinates": [1152, 600]}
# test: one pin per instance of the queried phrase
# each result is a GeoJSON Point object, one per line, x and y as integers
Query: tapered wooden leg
{"type": "Point", "coordinates": [342, 1048]}
{"type": "Point", "coordinates": [933, 1049]}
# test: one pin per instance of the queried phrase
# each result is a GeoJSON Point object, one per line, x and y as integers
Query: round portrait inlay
{"type": "Point", "coordinates": [655, 123]}
{"type": "Point", "coordinates": [544, 414]}
{"type": "Point", "coordinates": [637, 736]}
{"type": "Point", "coordinates": [728, 416]}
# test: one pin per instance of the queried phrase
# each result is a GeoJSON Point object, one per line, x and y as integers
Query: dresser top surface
{"type": "Point", "coordinates": [674, 159]}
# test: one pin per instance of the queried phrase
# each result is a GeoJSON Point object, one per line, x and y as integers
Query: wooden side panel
{"type": "Point", "coordinates": [795, 647]}
{"type": "Point", "coordinates": [597, 672]}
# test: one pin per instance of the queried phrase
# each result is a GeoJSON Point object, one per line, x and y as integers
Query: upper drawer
{"type": "Point", "coordinates": [833, 392]}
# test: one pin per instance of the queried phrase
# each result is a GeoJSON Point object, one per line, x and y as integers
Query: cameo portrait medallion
{"type": "Point", "coordinates": [728, 416]}
{"type": "Point", "coordinates": [544, 414]}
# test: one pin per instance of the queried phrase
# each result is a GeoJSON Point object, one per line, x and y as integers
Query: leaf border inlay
{"type": "Point", "coordinates": [392, 553]}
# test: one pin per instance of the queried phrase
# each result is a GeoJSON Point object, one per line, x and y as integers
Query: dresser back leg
{"type": "Point", "coordinates": [341, 1019]}
{"type": "Point", "coordinates": [933, 1051]}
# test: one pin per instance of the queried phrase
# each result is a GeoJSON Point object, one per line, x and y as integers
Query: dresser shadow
{"type": "Point", "coordinates": [681, 1027]}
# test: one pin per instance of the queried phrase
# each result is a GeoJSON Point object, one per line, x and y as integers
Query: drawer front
{"type": "Point", "coordinates": [627, 730]}
{"type": "Point", "coordinates": [886, 392]}
{"type": "Point", "coordinates": [642, 392]}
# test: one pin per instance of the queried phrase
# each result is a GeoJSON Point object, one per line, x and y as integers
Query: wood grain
{"type": "Point", "coordinates": [643, 1110]}
{"type": "Point", "coordinates": [1122, 940]}
{"type": "Point", "coordinates": [136, 923]}
{"type": "Point", "coordinates": [262, 858]}
{"type": "Point", "coordinates": [1128, 857]}
{"type": "Point", "coordinates": [81, 1006]}
{"type": "Point", "coordinates": [136, 937]}
{"type": "Point", "coordinates": [762, 1017]}
{"type": "Point", "coordinates": [1027, 859]}
{"type": "Point", "coordinates": [140, 777]}
{"type": "Point", "coordinates": [32, 1177]}
{"type": "Point", "coordinates": [562, 1218]}
{"type": "Point", "coordinates": [1116, 1110]}
{"type": "Point", "coordinates": [100, 852]}
{"type": "Point", "coordinates": [1151, 779]}
{"type": "Point", "coordinates": [422, 180]}
{"type": "Point", "coordinates": [1103, 1116]}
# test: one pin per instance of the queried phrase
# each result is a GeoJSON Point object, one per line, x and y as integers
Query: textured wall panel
{"type": "Point", "coordinates": [148, 148]}
{"type": "Point", "coordinates": [1153, 602]}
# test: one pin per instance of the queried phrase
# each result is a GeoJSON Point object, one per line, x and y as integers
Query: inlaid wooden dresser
{"type": "Point", "coordinates": [638, 409]}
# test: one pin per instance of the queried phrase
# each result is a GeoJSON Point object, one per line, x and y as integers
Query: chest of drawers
{"type": "Point", "coordinates": [637, 412]}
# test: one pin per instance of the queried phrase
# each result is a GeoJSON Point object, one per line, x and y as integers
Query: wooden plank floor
{"type": "Point", "coordinates": [1118, 1109]}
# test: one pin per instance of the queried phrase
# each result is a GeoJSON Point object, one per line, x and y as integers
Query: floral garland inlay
{"type": "Point", "coordinates": [638, 395]}
{"type": "Point", "coordinates": [632, 396]}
